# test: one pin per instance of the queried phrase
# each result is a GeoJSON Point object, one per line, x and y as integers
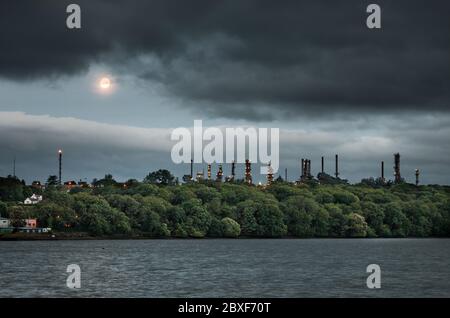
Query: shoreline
{"type": "Point", "coordinates": [78, 237]}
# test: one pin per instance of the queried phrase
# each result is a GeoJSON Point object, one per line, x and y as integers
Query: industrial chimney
{"type": "Point", "coordinates": [337, 167]}
{"type": "Point", "coordinates": [219, 174]}
{"type": "Point", "coordinates": [248, 171]}
{"type": "Point", "coordinates": [233, 172]}
{"type": "Point", "coordinates": [269, 174]}
{"type": "Point", "coordinates": [397, 175]}
{"type": "Point", "coordinates": [302, 170]}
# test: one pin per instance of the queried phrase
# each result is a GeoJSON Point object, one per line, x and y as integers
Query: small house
{"type": "Point", "coordinates": [30, 223]}
{"type": "Point", "coordinates": [4, 223]}
{"type": "Point", "coordinates": [33, 199]}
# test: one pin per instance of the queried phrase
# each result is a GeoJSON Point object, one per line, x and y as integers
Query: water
{"type": "Point", "coordinates": [226, 268]}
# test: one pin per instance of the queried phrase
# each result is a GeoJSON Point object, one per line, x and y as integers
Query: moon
{"type": "Point", "coordinates": [105, 83]}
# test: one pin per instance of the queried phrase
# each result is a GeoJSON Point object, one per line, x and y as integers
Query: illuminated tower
{"type": "Point", "coordinates": [219, 174]}
{"type": "Point", "coordinates": [269, 174]}
{"type": "Point", "coordinates": [209, 172]}
{"type": "Point", "coordinates": [60, 166]}
{"type": "Point", "coordinates": [248, 171]}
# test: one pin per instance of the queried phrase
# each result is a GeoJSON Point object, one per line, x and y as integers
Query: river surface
{"type": "Point", "coordinates": [226, 268]}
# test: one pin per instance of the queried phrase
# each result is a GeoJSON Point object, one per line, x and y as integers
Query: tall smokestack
{"type": "Point", "coordinates": [397, 175]}
{"type": "Point", "coordinates": [60, 166]}
{"type": "Point", "coordinates": [248, 171]}
{"type": "Point", "coordinates": [219, 174]}
{"type": "Point", "coordinates": [382, 171]}
{"type": "Point", "coordinates": [302, 171]}
{"type": "Point", "coordinates": [233, 168]}
{"type": "Point", "coordinates": [323, 170]}
{"type": "Point", "coordinates": [337, 167]}
{"type": "Point", "coordinates": [285, 175]}
{"type": "Point", "coordinates": [269, 174]}
{"type": "Point", "coordinates": [417, 177]}
{"type": "Point", "coordinates": [192, 169]}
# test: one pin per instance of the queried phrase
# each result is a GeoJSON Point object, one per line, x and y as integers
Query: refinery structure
{"type": "Point", "coordinates": [304, 175]}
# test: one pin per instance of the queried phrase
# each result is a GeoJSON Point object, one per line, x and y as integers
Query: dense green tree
{"type": "Point", "coordinates": [374, 217]}
{"type": "Point", "coordinates": [198, 219]}
{"type": "Point", "coordinates": [206, 194]}
{"type": "Point", "coordinates": [182, 194]}
{"type": "Point", "coordinates": [3, 210]}
{"type": "Point", "coordinates": [345, 197]}
{"type": "Point", "coordinates": [17, 215]}
{"type": "Point", "coordinates": [298, 212]}
{"type": "Point", "coordinates": [52, 180]}
{"type": "Point", "coordinates": [356, 225]}
{"type": "Point", "coordinates": [213, 209]}
{"type": "Point", "coordinates": [230, 228]}
{"type": "Point", "coordinates": [269, 219]}
{"type": "Point", "coordinates": [216, 228]}
{"type": "Point", "coordinates": [246, 216]}
{"type": "Point", "coordinates": [282, 191]}
{"type": "Point", "coordinates": [337, 221]}
{"type": "Point", "coordinates": [396, 220]}
{"type": "Point", "coordinates": [160, 177]}
{"type": "Point", "coordinates": [12, 189]}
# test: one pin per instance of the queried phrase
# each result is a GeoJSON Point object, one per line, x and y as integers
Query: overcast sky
{"type": "Point", "coordinates": [311, 68]}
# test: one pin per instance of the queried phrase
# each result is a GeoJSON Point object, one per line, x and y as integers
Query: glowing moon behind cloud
{"type": "Point", "coordinates": [105, 83]}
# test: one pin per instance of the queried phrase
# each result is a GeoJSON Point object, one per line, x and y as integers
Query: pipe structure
{"type": "Point", "coordinates": [302, 170]}
{"type": "Point", "coordinates": [219, 174]}
{"type": "Point", "coordinates": [248, 171]}
{"type": "Point", "coordinates": [397, 175]}
{"type": "Point", "coordinates": [233, 168]}
{"type": "Point", "coordinates": [337, 167]}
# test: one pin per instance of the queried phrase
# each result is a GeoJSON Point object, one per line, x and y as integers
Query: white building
{"type": "Point", "coordinates": [4, 222]}
{"type": "Point", "coordinates": [33, 199]}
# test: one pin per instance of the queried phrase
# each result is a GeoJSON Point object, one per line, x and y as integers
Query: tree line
{"type": "Point", "coordinates": [160, 207]}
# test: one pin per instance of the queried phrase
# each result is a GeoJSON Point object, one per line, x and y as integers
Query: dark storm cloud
{"type": "Point", "coordinates": [297, 57]}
